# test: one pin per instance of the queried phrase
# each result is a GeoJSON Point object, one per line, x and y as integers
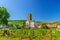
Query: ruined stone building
{"type": "Point", "coordinates": [30, 23]}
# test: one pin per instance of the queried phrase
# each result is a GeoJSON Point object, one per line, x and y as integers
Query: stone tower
{"type": "Point", "coordinates": [30, 23]}
{"type": "Point", "coordinates": [29, 17]}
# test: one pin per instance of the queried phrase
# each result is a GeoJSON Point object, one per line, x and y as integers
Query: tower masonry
{"type": "Point", "coordinates": [29, 17]}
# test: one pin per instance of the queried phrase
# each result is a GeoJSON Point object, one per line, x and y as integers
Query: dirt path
{"type": "Point", "coordinates": [31, 37]}
{"type": "Point", "coordinates": [46, 37]}
{"type": "Point", "coordinates": [26, 38]}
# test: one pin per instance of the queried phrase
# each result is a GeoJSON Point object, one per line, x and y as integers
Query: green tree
{"type": "Point", "coordinates": [4, 15]}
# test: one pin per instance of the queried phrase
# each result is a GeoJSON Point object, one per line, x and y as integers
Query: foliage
{"type": "Point", "coordinates": [4, 15]}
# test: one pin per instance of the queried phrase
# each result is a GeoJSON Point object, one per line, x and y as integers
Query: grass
{"type": "Point", "coordinates": [16, 34]}
{"type": "Point", "coordinates": [18, 22]}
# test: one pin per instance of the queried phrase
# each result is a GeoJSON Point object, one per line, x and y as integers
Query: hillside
{"type": "Point", "coordinates": [19, 22]}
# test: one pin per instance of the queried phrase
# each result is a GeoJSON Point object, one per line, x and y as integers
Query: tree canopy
{"type": "Point", "coordinates": [4, 15]}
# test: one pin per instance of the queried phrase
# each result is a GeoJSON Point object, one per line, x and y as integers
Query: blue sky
{"type": "Point", "coordinates": [42, 10]}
